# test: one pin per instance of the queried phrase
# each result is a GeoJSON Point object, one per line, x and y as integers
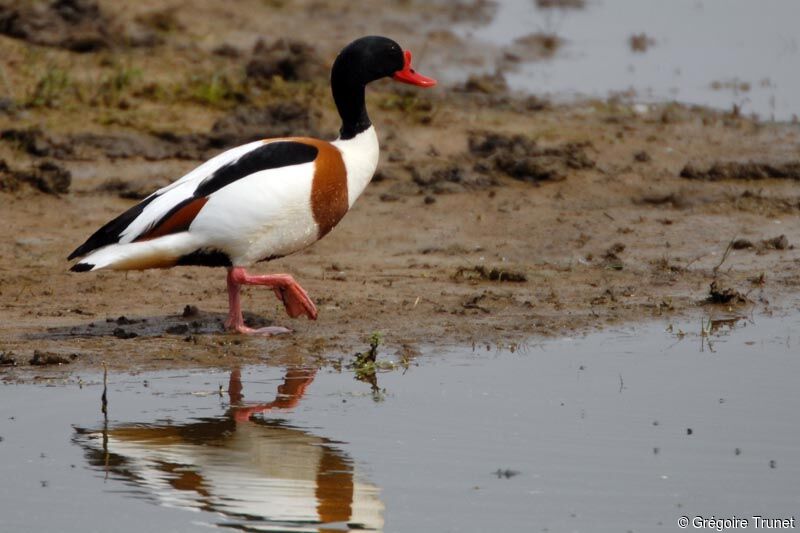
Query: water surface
{"type": "Point", "coordinates": [623, 430]}
{"type": "Point", "coordinates": [719, 53]}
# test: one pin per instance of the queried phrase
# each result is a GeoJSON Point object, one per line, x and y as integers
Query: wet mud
{"type": "Point", "coordinates": [493, 216]}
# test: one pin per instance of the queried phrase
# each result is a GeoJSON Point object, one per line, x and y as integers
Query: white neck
{"type": "Point", "coordinates": [360, 155]}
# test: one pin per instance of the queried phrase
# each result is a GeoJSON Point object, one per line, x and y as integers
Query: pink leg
{"type": "Point", "coordinates": [294, 299]}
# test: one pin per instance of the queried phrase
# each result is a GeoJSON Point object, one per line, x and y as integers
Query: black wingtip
{"type": "Point", "coordinates": [82, 267]}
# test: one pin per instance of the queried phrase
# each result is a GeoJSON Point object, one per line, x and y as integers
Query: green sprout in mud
{"type": "Point", "coordinates": [50, 88]}
{"type": "Point", "coordinates": [118, 83]}
{"type": "Point", "coordinates": [366, 366]}
{"type": "Point", "coordinates": [214, 90]}
{"type": "Point", "coordinates": [419, 109]}
{"type": "Point", "coordinates": [366, 363]}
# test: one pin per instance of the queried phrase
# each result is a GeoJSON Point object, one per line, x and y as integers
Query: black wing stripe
{"type": "Point", "coordinates": [110, 233]}
{"type": "Point", "coordinates": [268, 156]}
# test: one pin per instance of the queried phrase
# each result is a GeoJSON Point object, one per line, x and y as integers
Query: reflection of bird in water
{"type": "Point", "coordinates": [260, 474]}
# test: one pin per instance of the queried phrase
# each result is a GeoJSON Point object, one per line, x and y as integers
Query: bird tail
{"type": "Point", "coordinates": [163, 252]}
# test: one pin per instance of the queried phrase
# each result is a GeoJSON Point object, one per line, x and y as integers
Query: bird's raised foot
{"type": "Point", "coordinates": [294, 297]}
{"type": "Point", "coordinates": [296, 300]}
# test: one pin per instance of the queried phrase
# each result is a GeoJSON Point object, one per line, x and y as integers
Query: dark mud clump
{"type": "Point", "coordinates": [640, 42]}
{"type": "Point", "coordinates": [448, 177]}
{"type": "Point", "coordinates": [521, 158]}
{"type": "Point", "coordinates": [533, 47]}
{"type": "Point", "coordinates": [289, 59]}
{"type": "Point", "coordinates": [749, 170]}
{"type": "Point", "coordinates": [48, 177]}
{"type": "Point", "coordinates": [675, 199]}
{"type": "Point", "coordinates": [490, 274]}
{"type": "Point", "coordinates": [8, 182]}
{"type": "Point", "coordinates": [561, 4]}
{"type": "Point", "coordinates": [130, 190]}
{"type": "Point", "coordinates": [242, 125]}
{"type": "Point", "coordinates": [45, 176]}
{"type": "Point", "coordinates": [724, 295]}
{"type": "Point", "coordinates": [37, 143]}
{"type": "Point", "coordinates": [776, 243]}
{"type": "Point", "coordinates": [247, 124]}
{"type": "Point", "coordinates": [87, 146]}
{"type": "Point", "coordinates": [742, 244]}
{"type": "Point", "coordinates": [484, 84]}
{"type": "Point", "coordinates": [189, 321]}
{"type": "Point", "coordinates": [76, 25]}
{"type": "Point", "coordinates": [45, 359]}
{"type": "Point", "coordinates": [611, 258]}
{"type": "Point", "coordinates": [478, 11]}
{"type": "Point", "coordinates": [124, 145]}
{"type": "Point", "coordinates": [7, 359]}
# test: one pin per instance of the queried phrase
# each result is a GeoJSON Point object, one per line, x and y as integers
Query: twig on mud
{"type": "Point", "coordinates": [724, 256]}
{"type": "Point", "coordinates": [690, 263]}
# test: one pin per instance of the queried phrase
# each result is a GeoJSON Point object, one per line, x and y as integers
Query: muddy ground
{"type": "Point", "coordinates": [494, 217]}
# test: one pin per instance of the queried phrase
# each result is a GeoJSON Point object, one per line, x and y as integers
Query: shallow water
{"type": "Point", "coordinates": [622, 430]}
{"type": "Point", "coordinates": [703, 51]}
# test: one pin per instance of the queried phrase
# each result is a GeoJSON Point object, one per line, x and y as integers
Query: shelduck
{"type": "Point", "coordinates": [260, 201]}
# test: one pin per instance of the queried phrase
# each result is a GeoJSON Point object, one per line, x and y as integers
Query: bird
{"type": "Point", "coordinates": [263, 200]}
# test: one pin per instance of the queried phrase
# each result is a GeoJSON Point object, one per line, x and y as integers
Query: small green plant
{"type": "Point", "coordinates": [366, 366]}
{"type": "Point", "coordinates": [419, 109]}
{"type": "Point", "coordinates": [365, 362]}
{"type": "Point", "coordinates": [214, 90]}
{"type": "Point", "coordinates": [117, 83]}
{"type": "Point", "coordinates": [50, 88]}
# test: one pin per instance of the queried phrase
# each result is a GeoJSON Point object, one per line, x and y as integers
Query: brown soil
{"type": "Point", "coordinates": [493, 216]}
